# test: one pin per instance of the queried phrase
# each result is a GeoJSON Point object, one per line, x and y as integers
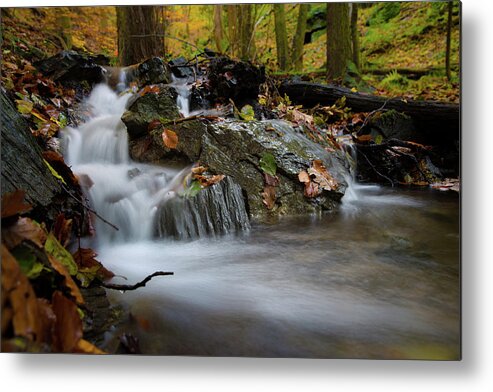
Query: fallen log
{"type": "Point", "coordinates": [436, 122]}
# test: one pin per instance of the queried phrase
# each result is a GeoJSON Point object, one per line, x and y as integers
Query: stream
{"type": "Point", "coordinates": [378, 278]}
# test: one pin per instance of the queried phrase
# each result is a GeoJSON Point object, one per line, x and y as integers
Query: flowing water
{"type": "Point", "coordinates": [379, 278]}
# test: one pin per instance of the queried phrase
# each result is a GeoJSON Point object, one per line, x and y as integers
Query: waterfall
{"type": "Point", "coordinates": [183, 98]}
{"type": "Point", "coordinates": [130, 194]}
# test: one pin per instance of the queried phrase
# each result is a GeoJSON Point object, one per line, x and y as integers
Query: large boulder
{"type": "Point", "coordinates": [237, 148]}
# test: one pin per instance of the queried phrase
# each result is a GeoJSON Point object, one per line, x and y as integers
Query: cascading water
{"type": "Point", "coordinates": [129, 194]}
{"type": "Point", "coordinates": [183, 98]}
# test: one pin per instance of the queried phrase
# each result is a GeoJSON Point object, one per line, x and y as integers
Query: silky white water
{"type": "Point", "coordinates": [379, 282]}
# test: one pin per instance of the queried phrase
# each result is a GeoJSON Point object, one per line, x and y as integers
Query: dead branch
{"type": "Point", "coordinates": [126, 287]}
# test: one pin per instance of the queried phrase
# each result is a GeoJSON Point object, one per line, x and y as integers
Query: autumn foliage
{"type": "Point", "coordinates": [42, 305]}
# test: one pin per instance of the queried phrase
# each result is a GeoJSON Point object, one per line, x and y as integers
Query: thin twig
{"type": "Point", "coordinates": [88, 208]}
{"type": "Point", "coordinates": [375, 169]}
{"type": "Point", "coordinates": [371, 114]}
{"type": "Point", "coordinates": [126, 287]}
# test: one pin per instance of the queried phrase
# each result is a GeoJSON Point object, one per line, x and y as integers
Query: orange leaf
{"type": "Point", "coordinates": [86, 258]}
{"type": "Point", "coordinates": [20, 294]}
{"type": "Point", "coordinates": [13, 203]}
{"type": "Point", "coordinates": [199, 170]}
{"type": "Point", "coordinates": [83, 346]}
{"type": "Point", "coordinates": [68, 325]}
{"type": "Point", "coordinates": [170, 139]}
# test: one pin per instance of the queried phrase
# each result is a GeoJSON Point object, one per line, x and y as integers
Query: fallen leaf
{"type": "Point", "coordinates": [13, 204]}
{"type": "Point", "coordinates": [68, 281]}
{"type": "Point", "coordinates": [322, 176]}
{"type": "Point", "coordinates": [68, 325]}
{"type": "Point", "coordinates": [149, 89]}
{"type": "Point", "coordinates": [268, 164]}
{"type": "Point", "coordinates": [269, 197]}
{"type": "Point", "coordinates": [311, 189]}
{"type": "Point", "coordinates": [154, 124]}
{"type": "Point", "coordinates": [21, 296]}
{"type": "Point", "coordinates": [170, 139]}
{"type": "Point", "coordinates": [55, 249]}
{"type": "Point", "coordinates": [303, 176]}
{"type": "Point", "coordinates": [84, 347]}
{"type": "Point", "coordinates": [85, 259]}
{"type": "Point", "coordinates": [62, 229]}
{"type": "Point", "coordinates": [271, 180]}
{"type": "Point", "coordinates": [199, 170]}
{"type": "Point", "coordinates": [24, 229]}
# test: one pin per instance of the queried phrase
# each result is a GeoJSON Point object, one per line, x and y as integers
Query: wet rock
{"type": "Point", "coordinates": [236, 80]}
{"type": "Point", "coordinates": [71, 67]}
{"type": "Point", "coordinates": [393, 124]}
{"type": "Point", "coordinates": [216, 210]}
{"type": "Point", "coordinates": [181, 69]}
{"type": "Point", "coordinates": [153, 71]}
{"type": "Point", "coordinates": [235, 148]}
{"type": "Point", "coordinates": [144, 109]}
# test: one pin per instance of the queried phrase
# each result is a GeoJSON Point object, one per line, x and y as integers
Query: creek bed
{"type": "Point", "coordinates": [379, 278]}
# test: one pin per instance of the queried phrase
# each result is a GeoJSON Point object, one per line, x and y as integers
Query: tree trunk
{"type": "Point", "coordinates": [64, 27]}
{"type": "Point", "coordinates": [338, 39]}
{"type": "Point", "coordinates": [449, 36]}
{"type": "Point", "coordinates": [233, 33]}
{"type": "Point", "coordinates": [281, 36]}
{"type": "Point", "coordinates": [218, 28]}
{"type": "Point", "coordinates": [140, 33]}
{"type": "Point", "coordinates": [355, 35]}
{"type": "Point", "coordinates": [299, 38]}
{"type": "Point", "coordinates": [245, 21]}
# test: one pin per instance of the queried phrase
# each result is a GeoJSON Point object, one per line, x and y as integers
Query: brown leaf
{"type": "Point", "coordinates": [62, 229]}
{"type": "Point", "coordinates": [271, 180]}
{"type": "Point", "coordinates": [303, 176]}
{"type": "Point", "coordinates": [206, 181]}
{"type": "Point", "coordinates": [269, 197]}
{"type": "Point", "coordinates": [322, 176]}
{"type": "Point", "coordinates": [199, 169]}
{"type": "Point", "coordinates": [85, 258]}
{"type": "Point", "coordinates": [13, 203]}
{"type": "Point", "coordinates": [24, 229]}
{"type": "Point", "coordinates": [154, 124]}
{"type": "Point", "coordinates": [312, 189]}
{"type": "Point", "coordinates": [69, 282]}
{"type": "Point", "coordinates": [170, 139]}
{"type": "Point", "coordinates": [46, 319]}
{"type": "Point", "coordinates": [364, 139]}
{"type": "Point", "coordinates": [22, 299]}
{"type": "Point", "coordinates": [57, 162]}
{"type": "Point", "coordinates": [68, 325]}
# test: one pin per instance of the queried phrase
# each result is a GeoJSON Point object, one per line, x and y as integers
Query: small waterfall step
{"type": "Point", "coordinates": [140, 199]}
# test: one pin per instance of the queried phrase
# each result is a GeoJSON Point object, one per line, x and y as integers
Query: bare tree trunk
{"type": "Point", "coordinates": [64, 27]}
{"type": "Point", "coordinates": [299, 38]}
{"type": "Point", "coordinates": [245, 21]}
{"type": "Point", "coordinates": [140, 33]}
{"type": "Point", "coordinates": [338, 39]}
{"type": "Point", "coordinates": [281, 36]}
{"type": "Point", "coordinates": [355, 35]}
{"type": "Point", "coordinates": [218, 28]}
{"type": "Point", "coordinates": [233, 33]}
{"type": "Point", "coordinates": [448, 41]}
